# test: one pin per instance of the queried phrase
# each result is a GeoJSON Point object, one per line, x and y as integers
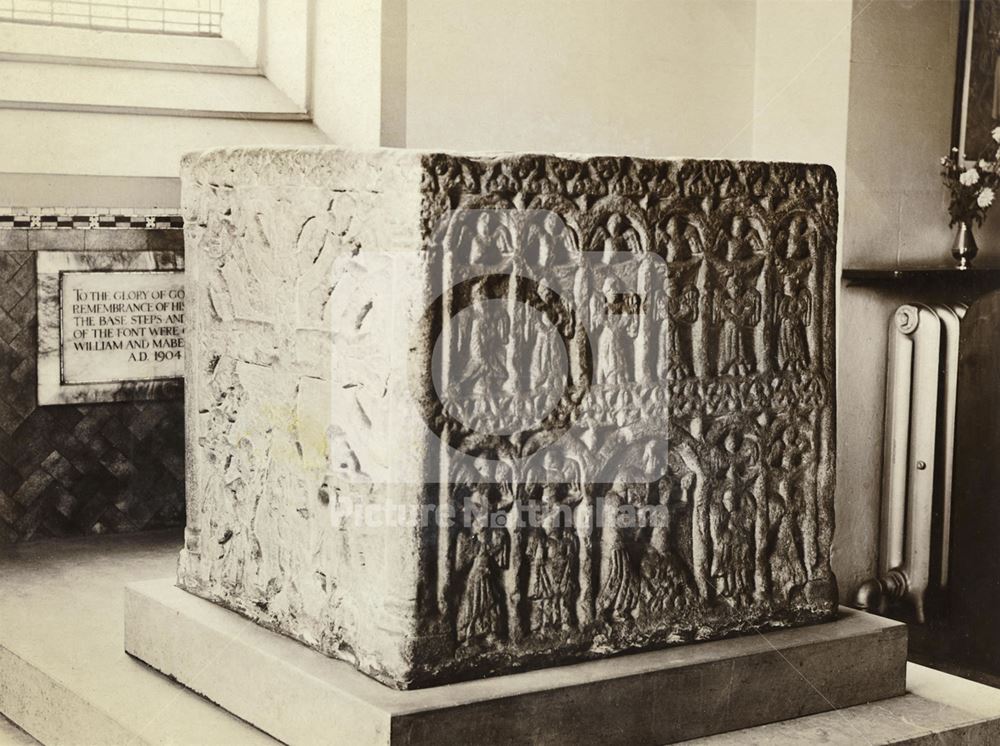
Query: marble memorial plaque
{"type": "Point", "coordinates": [453, 416]}
{"type": "Point", "coordinates": [121, 326]}
{"type": "Point", "coordinates": [111, 326]}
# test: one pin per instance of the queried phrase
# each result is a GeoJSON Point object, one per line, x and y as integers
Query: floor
{"type": "Point", "coordinates": [63, 668]}
{"type": "Point", "coordinates": [61, 611]}
{"type": "Point", "coordinates": [11, 735]}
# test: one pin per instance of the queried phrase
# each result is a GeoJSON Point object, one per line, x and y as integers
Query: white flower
{"type": "Point", "coordinates": [944, 161]}
{"type": "Point", "coordinates": [996, 133]}
{"type": "Point", "coordinates": [969, 177]}
{"type": "Point", "coordinates": [984, 165]}
{"type": "Point", "coordinates": [985, 198]}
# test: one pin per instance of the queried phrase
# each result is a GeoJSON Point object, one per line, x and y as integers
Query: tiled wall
{"type": "Point", "coordinates": [74, 470]}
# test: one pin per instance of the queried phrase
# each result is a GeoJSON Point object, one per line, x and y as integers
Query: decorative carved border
{"type": "Point", "coordinates": [45, 220]}
{"type": "Point", "coordinates": [49, 265]}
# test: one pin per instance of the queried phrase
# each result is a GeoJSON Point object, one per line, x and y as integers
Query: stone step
{"type": "Point", "coordinates": [937, 709]}
{"type": "Point", "coordinates": [645, 698]}
{"type": "Point", "coordinates": [65, 678]}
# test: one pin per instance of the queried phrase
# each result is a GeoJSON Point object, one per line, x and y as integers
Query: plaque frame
{"type": "Point", "coordinates": [50, 267]}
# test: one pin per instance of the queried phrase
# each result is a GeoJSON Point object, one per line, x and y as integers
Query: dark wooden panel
{"type": "Point", "coordinates": [974, 625]}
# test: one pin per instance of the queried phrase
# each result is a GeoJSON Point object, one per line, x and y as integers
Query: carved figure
{"type": "Point", "coordinates": [548, 242]}
{"type": "Point", "coordinates": [737, 310]}
{"type": "Point", "coordinates": [488, 242]}
{"type": "Point", "coordinates": [787, 568]}
{"type": "Point", "coordinates": [735, 462]}
{"type": "Point", "coordinates": [793, 314]}
{"type": "Point", "coordinates": [482, 611]}
{"type": "Point", "coordinates": [483, 353]}
{"type": "Point", "coordinates": [666, 587]}
{"type": "Point", "coordinates": [731, 547]}
{"type": "Point", "coordinates": [619, 594]}
{"type": "Point", "coordinates": [742, 242]}
{"type": "Point", "coordinates": [800, 241]}
{"type": "Point", "coordinates": [543, 345]}
{"type": "Point", "coordinates": [614, 364]}
{"type": "Point", "coordinates": [674, 353]}
{"type": "Point", "coordinates": [552, 579]}
{"type": "Point", "coordinates": [617, 239]}
{"type": "Point", "coordinates": [682, 240]}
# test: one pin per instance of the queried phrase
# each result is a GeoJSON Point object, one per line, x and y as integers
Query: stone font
{"type": "Point", "coordinates": [599, 389]}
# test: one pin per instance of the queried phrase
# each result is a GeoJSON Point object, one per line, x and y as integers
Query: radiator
{"type": "Point", "coordinates": [917, 463]}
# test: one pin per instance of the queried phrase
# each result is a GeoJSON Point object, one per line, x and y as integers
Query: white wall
{"type": "Point", "coordinates": [62, 190]}
{"type": "Point", "coordinates": [346, 72]}
{"type": "Point", "coordinates": [801, 81]}
{"type": "Point", "coordinates": [241, 26]}
{"type": "Point", "coordinates": [285, 46]}
{"type": "Point", "coordinates": [643, 77]}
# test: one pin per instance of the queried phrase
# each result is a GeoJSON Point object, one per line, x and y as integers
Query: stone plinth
{"type": "Point", "coordinates": [455, 416]}
{"type": "Point", "coordinates": [647, 698]}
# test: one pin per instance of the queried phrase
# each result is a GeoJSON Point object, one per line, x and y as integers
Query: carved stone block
{"type": "Point", "coordinates": [452, 416]}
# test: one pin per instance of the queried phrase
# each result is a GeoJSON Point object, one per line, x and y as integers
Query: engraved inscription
{"type": "Point", "coordinates": [121, 326]}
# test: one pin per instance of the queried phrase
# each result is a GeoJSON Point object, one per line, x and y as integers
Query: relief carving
{"type": "Point", "coordinates": [622, 367]}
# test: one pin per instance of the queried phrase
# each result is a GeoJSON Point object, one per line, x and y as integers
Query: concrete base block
{"type": "Point", "coordinates": [299, 696]}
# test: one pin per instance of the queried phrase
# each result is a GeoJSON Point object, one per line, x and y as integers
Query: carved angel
{"type": "Point", "coordinates": [548, 241]}
{"type": "Point", "coordinates": [487, 243]}
{"type": "Point", "coordinates": [616, 237]}
{"type": "Point", "coordinates": [793, 314]}
{"type": "Point", "coordinates": [738, 311]}
{"type": "Point", "coordinates": [743, 240]}
{"type": "Point", "coordinates": [799, 239]}
{"type": "Point", "coordinates": [681, 240]}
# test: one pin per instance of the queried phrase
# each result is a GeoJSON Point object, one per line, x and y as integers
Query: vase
{"type": "Point", "coordinates": [964, 248]}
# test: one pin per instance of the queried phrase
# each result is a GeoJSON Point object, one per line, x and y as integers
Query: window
{"type": "Point", "coordinates": [190, 17]}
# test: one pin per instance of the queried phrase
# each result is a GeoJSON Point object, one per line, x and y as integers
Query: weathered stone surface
{"type": "Point", "coordinates": [643, 419]}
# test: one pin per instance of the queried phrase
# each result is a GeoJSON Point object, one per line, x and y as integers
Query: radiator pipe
{"type": "Point", "coordinates": [875, 594]}
{"type": "Point", "coordinates": [908, 464]}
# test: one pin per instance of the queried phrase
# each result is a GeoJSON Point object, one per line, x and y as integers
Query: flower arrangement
{"type": "Point", "coordinates": [972, 189]}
